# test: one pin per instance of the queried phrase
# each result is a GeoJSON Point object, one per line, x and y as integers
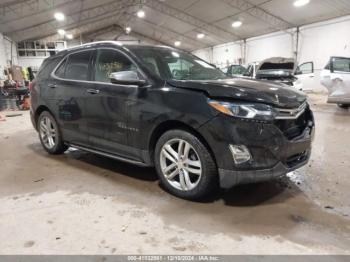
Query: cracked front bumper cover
{"type": "Point", "coordinates": [230, 178]}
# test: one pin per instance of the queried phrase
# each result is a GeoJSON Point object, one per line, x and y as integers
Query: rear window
{"type": "Point", "coordinates": [47, 67]}
{"type": "Point", "coordinates": [77, 66]}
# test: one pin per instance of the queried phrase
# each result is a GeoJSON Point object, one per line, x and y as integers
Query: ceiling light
{"type": "Point", "coordinates": [61, 32]}
{"type": "Point", "coordinates": [200, 35]}
{"type": "Point", "coordinates": [236, 24]}
{"type": "Point", "coordinates": [69, 36]}
{"type": "Point", "coordinates": [141, 13]}
{"type": "Point", "coordinates": [177, 43]}
{"type": "Point", "coordinates": [59, 16]}
{"type": "Point", "coordinates": [299, 3]}
{"type": "Point", "coordinates": [128, 29]}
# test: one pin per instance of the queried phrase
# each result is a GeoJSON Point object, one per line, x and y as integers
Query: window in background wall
{"type": "Point", "coordinates": [40, 48]}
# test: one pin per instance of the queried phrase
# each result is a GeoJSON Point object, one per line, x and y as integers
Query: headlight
{"type": "Point", "coordinates": [245, 110]}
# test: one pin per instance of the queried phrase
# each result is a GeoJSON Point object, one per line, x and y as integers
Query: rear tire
{"type": "Point", "coordinates": [50, 135]}
{"type": "Point", "coordinates": [185, 166]}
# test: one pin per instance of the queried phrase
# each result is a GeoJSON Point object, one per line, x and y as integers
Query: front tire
{"type": "Point", "coordinates": [185, 166]}
{"type": "Point", "coordinates": [50, 135]}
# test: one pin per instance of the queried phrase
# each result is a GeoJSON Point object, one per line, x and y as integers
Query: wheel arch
{"type": "Point", "coordinates": [37, 113]}
{"type": "Point", "coordinates": [172, 125]}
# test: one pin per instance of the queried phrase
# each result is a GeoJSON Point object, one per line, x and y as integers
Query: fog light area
{"type": "Point", "coordinates": [240, 153]}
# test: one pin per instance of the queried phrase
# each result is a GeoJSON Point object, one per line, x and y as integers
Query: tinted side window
{"type": "Point", "coordinates": [47, 67]}
{"type": "Point", "coordinates": [60, 72]}
{"type": "Point", "coordinates": [110, 61]}
{"type": "Point", "coordinates": [151, 64]}
{"type": "Point", "coordinates": [180, 68]}
{"type": "Point", "coordinates": [78, 66]}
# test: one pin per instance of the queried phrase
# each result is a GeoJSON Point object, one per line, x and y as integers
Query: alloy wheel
{"type": "Point", "coordinates": [47, 132]}
{"type": "Point", "coordinates": [180, 164]}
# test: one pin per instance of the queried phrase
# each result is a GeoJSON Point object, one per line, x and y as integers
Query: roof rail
{"type": "Point", "coordinates": [94, 43]}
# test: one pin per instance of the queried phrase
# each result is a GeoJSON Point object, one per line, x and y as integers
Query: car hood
{"type": "Point", "coordinates": [276, 94]}
{"type": "Point", "coordinates": [277, 63]}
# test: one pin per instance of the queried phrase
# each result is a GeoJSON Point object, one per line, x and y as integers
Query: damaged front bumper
{"type": "Point", "coordinates": [276, 148]}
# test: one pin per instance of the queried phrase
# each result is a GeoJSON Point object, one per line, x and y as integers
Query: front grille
{"type": "Point", "coordinates": [291, 113]}
{"type": "Point", "coordinates": [292, 128]}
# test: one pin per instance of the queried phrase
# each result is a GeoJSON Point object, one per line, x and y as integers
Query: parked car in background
{"type": "Point", "coordinates": [159, 106]}
{"type": "Point", "coordinates": [235, 70]}
{"type": "Point", "coordinates": [336, 78]}
{"type": "Point", "coordinates": [277, 69]}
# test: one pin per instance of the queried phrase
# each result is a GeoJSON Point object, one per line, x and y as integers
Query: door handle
{"type": "Point", "coordinates": [93, 91]}
{"type": "Point", "coordinates": [52, 85]}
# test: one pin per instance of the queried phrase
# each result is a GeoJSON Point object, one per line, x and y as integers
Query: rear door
{"type": "Point", "coordinates": [339, 88]}
{"type": "Point", "coordinates": [71, 80]}
{"type": "Point", "coordinates": [305, 73]}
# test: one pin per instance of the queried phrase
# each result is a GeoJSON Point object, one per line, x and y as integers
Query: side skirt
{"type": "Point", "coordinates": [116, 157]}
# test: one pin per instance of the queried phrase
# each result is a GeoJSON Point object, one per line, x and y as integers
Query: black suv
{"type": "Point", "coordinates": [156, 105]}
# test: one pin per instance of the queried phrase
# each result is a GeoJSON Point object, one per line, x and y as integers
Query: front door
{"type": "Point", "coordinates": [107, 104]}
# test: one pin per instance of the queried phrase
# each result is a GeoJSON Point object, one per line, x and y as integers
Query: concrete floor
{"type": "Point", "coordinates": [80, 203]}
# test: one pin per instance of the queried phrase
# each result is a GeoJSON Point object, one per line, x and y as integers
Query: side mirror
{"type": "Point", "coordinates": [126, 78]}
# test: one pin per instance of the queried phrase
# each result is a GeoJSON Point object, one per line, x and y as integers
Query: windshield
{"type": "Point", "coordinates": [173, 64]}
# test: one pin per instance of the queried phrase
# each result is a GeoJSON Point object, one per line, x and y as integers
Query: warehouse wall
{"type": "Point", "coordinates": [3, 61]}
{"type": "Point", "coordinates": [6, 54]}
{"type": "Point", "coordinates": [34, 62]}
{"type": "Point", "coordinates": [257, 49]}
{"type": "Point", "coordinates": [317, 42]}
{"type": "Point", "coordinates": [320, 41]}
{"type": "Point", "coordinates": [276, 44]}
